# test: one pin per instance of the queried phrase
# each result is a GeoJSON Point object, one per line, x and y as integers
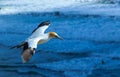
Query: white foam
{"type": "Point", "coordinates": [69, 6]}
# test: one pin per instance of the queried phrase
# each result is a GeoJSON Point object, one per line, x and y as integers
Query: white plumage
{"type": "Point", "coordinates": [40, 31]}
{"type": "Point", "coordinates": [37, 37]}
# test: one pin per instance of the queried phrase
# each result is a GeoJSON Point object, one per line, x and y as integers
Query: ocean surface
{"type": "Point", "coordinates": [91, 45]}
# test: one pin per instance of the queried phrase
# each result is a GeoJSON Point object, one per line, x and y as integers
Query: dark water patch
{"type": "Point", "coordinates": [41, 71]}
{"type": "Point", "coordinates": [16, 65]}
{"type": "Point", "coordinates": [62, 14]}
{"type": "Point", "coordinates": [3, 45]}
{"type": "Point", "coordinates": [84, 64]}
{"type": "Point", "coordinates": [116, 58]}
{"type": "Point", "coordinates": [14, 33]}
{"type": "Point", "coordinates": [94, 41]}
{"type": "Point", "coordinates": [20, 69]}
{"type": "Point", "coordinates": [76, 55]}
{"type": "Point", "coordinates": [28, 71]}
{"type": "Point", "coordinates": [58, 13]}
{"type": "Point", "coordinates": [14, 73]}
{"type": "Point", "coordinates": [105, 73]}
{"type": "Point", "coordinates": [106, 56]}
{"type": "Point", "coordinates": [6, 58]}
{"type": "Point", "coordinates": [75, 74]}
{"type": "Point", "coordinates": [8, 74]}
{"type": "Point", "coordinates": [59, 56]}
{"type": "Point", "coordinates": [106, 42]}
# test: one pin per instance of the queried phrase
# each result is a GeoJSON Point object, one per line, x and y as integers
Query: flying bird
{"type": "Point", "coordinates": [38, 36]}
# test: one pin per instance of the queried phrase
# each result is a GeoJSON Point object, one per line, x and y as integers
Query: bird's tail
{"type": "Point", "coordinates": [18, 46]}
{"type": "Point", "coordinates": [27, 54]}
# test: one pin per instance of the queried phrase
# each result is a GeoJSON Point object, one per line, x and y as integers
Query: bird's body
{"type": "Point", "coordinates": [33, 41]}
{"type": "Point", "coordinates": [37, 37]}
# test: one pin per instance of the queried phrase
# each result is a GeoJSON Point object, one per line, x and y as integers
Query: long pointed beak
{"type": "Point", "coordinates": [60, 37]}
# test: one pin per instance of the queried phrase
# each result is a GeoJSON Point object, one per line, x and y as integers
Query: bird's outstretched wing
{"type": "Point", "coordinates": [40, 29]}
{"type": "Point", "coordinates": [30, 44]}
{"type": "Point", "coordinates": [29, 49]}
{"type": "Point", "coordinates": [27, 54]}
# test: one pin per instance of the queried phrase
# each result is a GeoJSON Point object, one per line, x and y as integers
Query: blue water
{"type": "Point", "coordinates": [90, 47]}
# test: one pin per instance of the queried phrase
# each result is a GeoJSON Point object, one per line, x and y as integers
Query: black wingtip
{"type": "Point", "coordinates": [18, 46]}
{"type": "Point", "coordinates": [47, 23]}
{"type": "Point", "coordinates": [15, 47]}
{"type": "Point", "coordinates": [44, 23]}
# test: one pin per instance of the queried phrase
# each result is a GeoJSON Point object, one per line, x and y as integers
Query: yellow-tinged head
{"type": "Point", "coordinates": [54, 35]}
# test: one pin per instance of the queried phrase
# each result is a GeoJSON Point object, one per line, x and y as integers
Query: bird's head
{"type": "Point", "coordinates": [54, 35]}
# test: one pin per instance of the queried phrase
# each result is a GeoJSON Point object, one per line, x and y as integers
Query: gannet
{"type": "Point", "coordinates": [37, 37]}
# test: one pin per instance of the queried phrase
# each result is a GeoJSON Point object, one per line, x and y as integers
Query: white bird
{"type": "Point", "coordinates": [37, 37]}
